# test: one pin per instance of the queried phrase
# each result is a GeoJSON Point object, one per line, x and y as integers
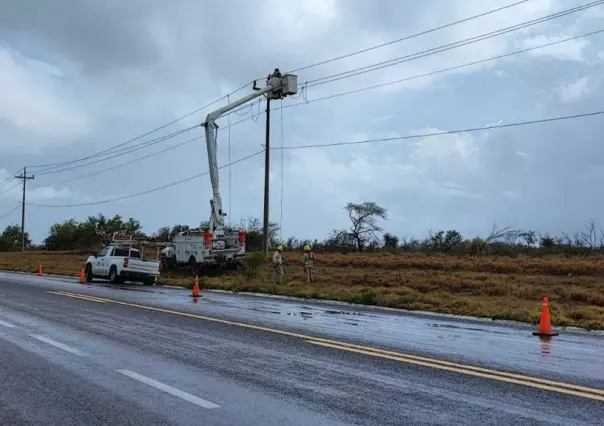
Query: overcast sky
{"type": "Point", "coordinates": [77, 77]}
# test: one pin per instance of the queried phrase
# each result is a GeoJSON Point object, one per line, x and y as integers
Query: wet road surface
{"type": "Point", "coordinates": [76, 354]}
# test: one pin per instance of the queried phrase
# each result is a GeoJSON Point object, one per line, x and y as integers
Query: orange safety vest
{"type": "Point", "coordinates": [308, 258]}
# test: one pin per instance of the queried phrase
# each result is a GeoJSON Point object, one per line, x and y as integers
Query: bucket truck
{"type": "Point", "coordinates": [220, 245]}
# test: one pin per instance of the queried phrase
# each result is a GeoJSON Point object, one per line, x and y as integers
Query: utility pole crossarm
{"type": "Point", "coordinates": [24, 178]}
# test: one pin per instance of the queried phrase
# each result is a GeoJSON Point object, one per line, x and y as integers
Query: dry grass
{"type": "Point", "coordinates": [493, 287]}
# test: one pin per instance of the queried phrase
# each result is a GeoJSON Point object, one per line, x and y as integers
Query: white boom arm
{"type": "Point", "coordinates": [277, 87]}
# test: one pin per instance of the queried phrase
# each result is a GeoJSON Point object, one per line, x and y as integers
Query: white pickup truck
{"type": "Point", "coordinates": [120, 264]}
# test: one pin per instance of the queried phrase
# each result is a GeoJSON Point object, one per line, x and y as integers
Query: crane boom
{"type": "Point", "coordinates": [277, 87]}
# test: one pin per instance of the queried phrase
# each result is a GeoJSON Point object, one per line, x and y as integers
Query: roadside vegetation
{"type": "Point", "coordinates": [503, 275]}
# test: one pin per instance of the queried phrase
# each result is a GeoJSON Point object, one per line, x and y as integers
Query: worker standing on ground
{"type": "Point", "coordinates": [277, 265]}
{"type": "Point", "coordinates": [308, 262]}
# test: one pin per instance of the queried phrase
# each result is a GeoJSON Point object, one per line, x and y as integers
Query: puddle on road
{"type": "Point", "coordinates": [459, 327]}
{"type": "Point", "coordinates": [352, 313]}
{"type": "Point", "coordinates": [546, 346]}
{"type": "Point", "coordinates": [128, 288]}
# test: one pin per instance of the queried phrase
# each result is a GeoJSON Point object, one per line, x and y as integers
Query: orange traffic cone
{"type": "Point", "coordinates": [82, 276]}
{"type": "Point", "coordinates": [195, 292]}
{"type": "Point", "coordinates": [545, 326]}
{"type": "Point", "coordinates": [40, 270]}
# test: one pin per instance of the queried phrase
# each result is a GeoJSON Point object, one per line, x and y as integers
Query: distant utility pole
{"type": "Point", "coordinates": [24, 178]}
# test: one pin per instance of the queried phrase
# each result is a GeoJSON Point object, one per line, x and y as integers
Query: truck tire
{"type": "Point", "coordinates": [149, 281]}
{"type": "Point", "coordinates": [88, 273]}
{"type": "Point", "coordinates": [113, 276]}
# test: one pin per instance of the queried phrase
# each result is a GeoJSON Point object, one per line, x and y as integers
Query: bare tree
{"type": "Point", "coordinates": [588, 238]}
{"type": "Point", "coordinates": [364, 217]}
{"type": "Point", "coordinates": [506, 233]}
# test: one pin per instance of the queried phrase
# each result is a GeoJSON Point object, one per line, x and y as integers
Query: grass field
{"type": "Point", "coordinates": [492, 287]}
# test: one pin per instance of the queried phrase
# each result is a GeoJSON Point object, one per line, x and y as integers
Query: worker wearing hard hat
{"type": "Point", "coordinates": [307, 261]}
{"type": "Point", "coordinates": [277, 265]}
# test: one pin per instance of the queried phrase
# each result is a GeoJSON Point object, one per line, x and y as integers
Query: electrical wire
{"type": "Point", "coordinates": [144, 134]}
{"type": "Point", "coordinates": [448, 132]}
{"type": "Point", "coordinates": [358, 52]}
{"type": "Point", "coordinates": [9, 178]}
{"type": "Point", "coordinates": [446, 47]}
{"type": "Point", "coordinates": [306, 101]}
{"type": "Point", "coordinates": [136, 160]}
{"type": "Point", "coordinates": [119, 154]}
{"type": "Point", "coordinates": [316, 81]}
{"type": "Point", "coordinates": [149, 191]}
{"type": "Point", "coordinates": [6, 181]}
{"type": "Point", "coordinates": [424, 135]}
{"type": "Point", "coordinates": [431, 73]}
{"type": "Point", "coordinates": [443, 70]}
{"type": "Point", "coordinates": [11, 188]}
{"type": "Point", "coordinates": [10, 212]}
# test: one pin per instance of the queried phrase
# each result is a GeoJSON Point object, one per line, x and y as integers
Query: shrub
{"type": "Point", "coordinates": [252, 264]}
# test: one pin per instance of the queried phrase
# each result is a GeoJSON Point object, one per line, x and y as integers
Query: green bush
{"type": "Point", "coordinates": [252, 264]}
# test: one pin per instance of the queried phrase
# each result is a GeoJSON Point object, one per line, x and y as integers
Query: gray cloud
{"type": "Point", "coordinates": [131, 66]}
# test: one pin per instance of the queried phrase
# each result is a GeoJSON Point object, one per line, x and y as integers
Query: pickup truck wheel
{"type": "Point", "coordinates": [113, 277]}
{"type": "Point", "coordinates": [149, 281]}
{"type": "Point", "coordinates": [88, 273]}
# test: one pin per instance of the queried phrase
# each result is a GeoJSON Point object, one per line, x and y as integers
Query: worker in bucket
{"type": "Point", "coordinates": [277, 265]}
{"type": "Point", "coordinates": [307, 260]}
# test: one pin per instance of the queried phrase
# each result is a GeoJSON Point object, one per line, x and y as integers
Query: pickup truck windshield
{"type": "Point", "coordinates": [124, 253]}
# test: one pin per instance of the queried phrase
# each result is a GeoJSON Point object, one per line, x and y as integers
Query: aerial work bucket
{"type": "Point", "coordinates": [207, 238]}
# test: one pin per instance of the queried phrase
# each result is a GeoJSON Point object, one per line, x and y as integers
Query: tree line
{"type": "Point", "coordinates": [364, 233]}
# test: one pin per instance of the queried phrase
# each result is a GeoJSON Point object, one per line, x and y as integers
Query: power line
{"type": "Point", "coordinates": [9, 189]}
{"type": "Point", "coordinates": [8, 179]}
{"type": "Point", "coordinates": [119, 154]}
{"type": "Point", "coordinates": [10, 212]}
{"type": "Point", "coordinates": [424, 135]}
{"type": "Point", "coordinates": [144, 134]}
{"type": "Point", "coordinates": [149, 191]}
{"type": "Point", "coordinates": [443, 70]}
{"type": "Point", "coordinates": [136, 160]}
{"type": "Point", "coordinates": [448, 132]}
{"type": "Point", "coordinates": [358, 52]}
{"type": "Point", "coordinates": [431, 73]}
{"type": "Point", "coordinates": [446, 47]}
{"type": "Point", "coordinates": [323, 79]}
{"type": "Point", "coordinates": [468, 64]}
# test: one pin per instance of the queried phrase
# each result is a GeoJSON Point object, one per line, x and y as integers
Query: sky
{"type": "Point", "coordinates": [78, 78]}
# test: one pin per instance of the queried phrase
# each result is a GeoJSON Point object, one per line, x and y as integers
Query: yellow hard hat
{"type": "Point", "coordinates": [306, 247]}
{"type": "Point", "coordinates": [280, 248]}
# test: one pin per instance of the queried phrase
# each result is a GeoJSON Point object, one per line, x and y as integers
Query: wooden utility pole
{"type": "Point", "coordinates": [267, 162]}
{"type": "Point", "coordinates": [24, 178]}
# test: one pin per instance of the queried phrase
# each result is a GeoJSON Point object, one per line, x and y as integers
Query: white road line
{"type": "Point", "coordinates": [6, 324]}
{"type": "Point", "coordinates": [57, 344]}
{"type": "Point", "coordinates": [169, 389]}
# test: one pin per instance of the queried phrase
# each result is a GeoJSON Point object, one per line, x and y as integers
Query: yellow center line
{"type": "Point", "coordinates": [82, 297]}
{"type": "Point", "coordinates": [536, 382]}
{"type": "Point", "coordinates": [531, 382]}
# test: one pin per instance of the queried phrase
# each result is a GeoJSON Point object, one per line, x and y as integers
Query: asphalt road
{"type": "Point", "coordinates": [74, 354]}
